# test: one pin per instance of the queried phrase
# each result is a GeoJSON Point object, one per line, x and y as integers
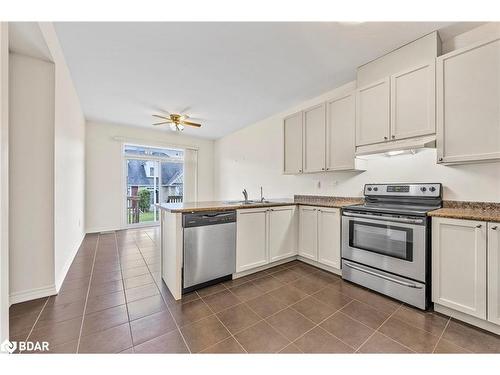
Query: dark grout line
{"type": "Point", "coordinates": [441, 335]}
{"type": "Point", "coordinates": [37, 318]}
{"type": "Point", "coordinates": [88, 292]}
{"type": "Point", "coordinates": [124, 294]}
{"type": "Point", "coordinates": [163, 298]}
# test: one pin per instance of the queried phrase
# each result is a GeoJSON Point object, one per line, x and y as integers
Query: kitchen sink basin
{"type": "Point", "coordinates": [246, 202]}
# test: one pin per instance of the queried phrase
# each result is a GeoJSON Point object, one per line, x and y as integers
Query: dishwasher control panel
{"type": "Point", "coordinates": [198, 219]}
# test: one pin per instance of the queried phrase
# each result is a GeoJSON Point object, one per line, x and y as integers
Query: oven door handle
{"type": "Point", "coordinates": [388, 278]}
{"type": "Point", "coordinates": [385, 218]}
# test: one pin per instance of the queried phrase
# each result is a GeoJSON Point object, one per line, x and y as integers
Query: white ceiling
{"type": "Point", "coordinates": [227, 74]}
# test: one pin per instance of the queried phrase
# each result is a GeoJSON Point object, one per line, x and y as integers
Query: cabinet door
{"type": "Point", "coordinates": [251, 239]}
{"type": "Point", "coordinates": [459, 265]}
{"type": "Point", "coordinates": [373, 113]}
{"type": "Point", "coordinates": [468, 103]}
{"type": "Point", "coordinates": [329, 237]}
{"type": "Point", "coordinates": [292, 144]}
{"type": "Point", "coordinates": [314, 138]}
{"type": "Point", "coordinates": [282, 233]}
{"type": "Point", "coordinates": [340, 133]}
{"type": "Point", "coordinates": [413, 105]}
{"type": "Point", "coordinates": [308, 233]}
{"type": "Point", "coordinates": [494, 272]}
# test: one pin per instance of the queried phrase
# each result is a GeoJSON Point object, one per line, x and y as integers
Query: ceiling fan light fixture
{"type": "Point", "coordinates": [176, 121]}
{"type": "Point", "coordinates": [176, 127]}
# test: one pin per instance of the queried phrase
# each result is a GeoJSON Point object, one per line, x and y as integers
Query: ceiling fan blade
{"type": "Point", "coordinates": [189, 123]}
{"type": "Point", "coordinates": [162, 123]}
{"type": "Point", "coordinates": [162, 117]}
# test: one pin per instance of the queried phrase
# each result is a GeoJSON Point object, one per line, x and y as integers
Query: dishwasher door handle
{"type": "Point", "coordinates": [208, 216]}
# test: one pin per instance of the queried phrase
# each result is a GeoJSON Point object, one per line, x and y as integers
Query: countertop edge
{"type": "Point", "coordinates": [250, 206]}
{"type": "Point", "coordinates": [466, 214]}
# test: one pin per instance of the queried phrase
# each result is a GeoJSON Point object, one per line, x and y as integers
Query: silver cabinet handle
{"type": "Point", "coordinates": [388, 278]}
{"type": "Point", "coordinates": [385, 138]}
{"type": "Point", "coordinates": [494, 228]}
{"type": "Point", "coordinates": [478, 226]}
{"type": "Point", "coordinates": [393, 137]}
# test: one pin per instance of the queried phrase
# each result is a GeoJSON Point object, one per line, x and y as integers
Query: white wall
{"type": "Point", "coordinates": [69, 159]}
{"type": "Point", "coordinates": [47, 165]}
{"type": "Point", "coordinates": [4, 181]}
{"type": "Point", "coordinates": [105, 169]}
{"type": "Point", "coordinates": [31, 175]}
{"type": "Point", "coordinates": [252, 157]}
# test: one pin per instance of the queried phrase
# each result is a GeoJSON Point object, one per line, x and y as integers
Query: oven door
{"type": "Point", "coordinates": [395, 245]}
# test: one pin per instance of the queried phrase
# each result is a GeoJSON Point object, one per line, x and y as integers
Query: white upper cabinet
{"type": "Point", "coordinates": [373, 113]}
{"type": "Point", "coordinates": [251, 239]}
{"type": "Point", "coordinates": [459, 265]}
{"type": "Point", "coordinates": [292, 141]}
{"type": "Point", "coordinates": [282, 233]}
{"type": "Point", "coordinates": [413, 102]}
{"type": "Point", "coordinates": [340, 133]}
{"type": "Point", "coordinates": [314, 138]}
{"type": "Point", "coordinates": [494, 273]}
{"type": "Point", "coordinates": [468, 103]}
{"type": "Point", "coordinates": [329, 237]}
{"type": "Point", "coordinates": [308, 232]}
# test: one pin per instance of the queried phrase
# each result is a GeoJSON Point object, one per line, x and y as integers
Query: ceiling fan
{"type": "Point", "coordinates": [176, 121]}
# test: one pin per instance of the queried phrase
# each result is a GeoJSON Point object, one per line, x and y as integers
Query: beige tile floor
{"type": "Point", "coordinates": [114, 301]}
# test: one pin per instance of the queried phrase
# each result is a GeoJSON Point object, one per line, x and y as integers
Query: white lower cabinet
{"type": "Point", "coordinates": [494, 273]}
{"type": "Point", "coordinates": [319, 235]}
{"type": "Point", "coordinates": [265, 235]}
{"type": "Point", "coordinates": [329, 237]}
{"type": "Point", "coordinates": [251, 239]}
{"type": "Point", "coordinates": [459, 265]}
{"type": "Point", "coordinates": [308, 232]}
{"type": "Point", "coordinates": [282, 233]}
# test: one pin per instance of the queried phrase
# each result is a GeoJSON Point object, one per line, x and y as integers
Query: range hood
{"type": "Point", "coordinates": [428, 141]}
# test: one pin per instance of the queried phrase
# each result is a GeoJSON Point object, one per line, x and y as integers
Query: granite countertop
{"type": "Point", "coordinates": [483, 211]}
{"type": "Point", "coordinates": [309, 200]}
{"type": "Point", "coordinates": [220, 205]}
{"type": "Point", "coordinates": [326, 201]}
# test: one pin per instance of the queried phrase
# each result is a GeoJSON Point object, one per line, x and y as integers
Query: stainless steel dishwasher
{"type": "Point", "coordinates": [209, 248]}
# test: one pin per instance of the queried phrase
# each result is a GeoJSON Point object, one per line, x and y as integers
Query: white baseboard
{"type": "Point", "coordinates": [320, 265]}
{"type": "Point", "coordinates": [264, 267]}
{"type": "Point", "coordinates": [484, 324]}
{"type": "Point", "coordinates": [60, 278]}
{"type": "Point", "coordinates": [103, 229]}
{"type": "Point", "coordinates": [31, 294]}
{"type": "Point", "coordinates": [286, 260]}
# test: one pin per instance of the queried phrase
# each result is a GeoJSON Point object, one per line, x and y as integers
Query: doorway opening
{"type": "Point", "coordinates": [153, 175]}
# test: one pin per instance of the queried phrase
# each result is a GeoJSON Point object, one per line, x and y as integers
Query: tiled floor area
{"type": "Point", "coordinates": [113, 301]}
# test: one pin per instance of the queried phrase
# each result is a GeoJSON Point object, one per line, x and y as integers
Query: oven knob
{"type": "Point", "coordinates": [369, 189]}
{"type": "Point", "coordinates": [423, 188]}
{"type": "Point", "coordinates": [432, 188]}
{"type": "Point", "coordinates": [375, 188]}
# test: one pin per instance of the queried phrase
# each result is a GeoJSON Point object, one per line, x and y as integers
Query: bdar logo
{"type": "Point", "coordinates": [8, 346]}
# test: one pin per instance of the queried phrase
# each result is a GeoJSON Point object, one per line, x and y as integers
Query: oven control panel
{"type": "Point", "coordinates": [404, 190]}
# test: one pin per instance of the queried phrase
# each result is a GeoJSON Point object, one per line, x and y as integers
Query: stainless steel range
{"type": "Point", "coordinates": [386, 240]}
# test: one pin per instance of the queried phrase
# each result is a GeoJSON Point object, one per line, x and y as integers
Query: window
{"type": "Point", "coordinates": [154, 175]}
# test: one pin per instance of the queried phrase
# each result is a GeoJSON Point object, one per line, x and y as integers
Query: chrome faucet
{"type": "Point", "coordinates": [245, 195]}
{"type": "Point", "coordinates": [262, 199]}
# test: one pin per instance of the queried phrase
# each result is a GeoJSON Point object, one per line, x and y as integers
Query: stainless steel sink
{"type": "Point", "coordinates": [247, 202]}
